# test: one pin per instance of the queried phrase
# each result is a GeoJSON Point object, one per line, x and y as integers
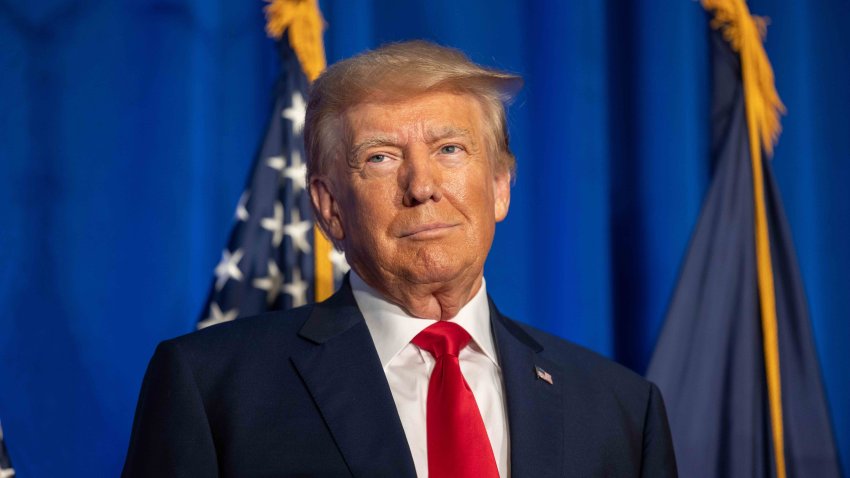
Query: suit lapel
{"type": "Point", "coordinates": [535, 407]}
{"type": "Point", "coordinates": [345, 378]}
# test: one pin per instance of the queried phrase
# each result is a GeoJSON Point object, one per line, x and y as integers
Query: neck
{"type": "Point", "coordinates": [435, 301]}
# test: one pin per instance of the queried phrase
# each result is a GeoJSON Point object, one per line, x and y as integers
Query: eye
{"type": "Point", "coordinates": [376, 158]}
{"type": "Point", "coordinates": [450, 149]}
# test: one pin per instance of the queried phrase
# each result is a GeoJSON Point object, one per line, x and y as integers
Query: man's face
{"type": "Point", "coordinates": [420, 196]}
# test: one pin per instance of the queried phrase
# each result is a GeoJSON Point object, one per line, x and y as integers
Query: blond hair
{"type": "Point", "coordinates": [394, 72]}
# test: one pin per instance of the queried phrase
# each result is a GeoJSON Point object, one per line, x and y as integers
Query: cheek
{"type": "Point", "coordinates": [368, 212]}
{"type": "Point", "coordinates": [475, 198]}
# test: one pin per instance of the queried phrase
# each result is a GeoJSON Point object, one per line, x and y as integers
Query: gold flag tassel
{"type": "Point", "coordinates": [303, 21]}
{"type": "Point", "coordinates": [745, 33]}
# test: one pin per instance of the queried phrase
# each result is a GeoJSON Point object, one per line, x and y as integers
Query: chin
{"type": "Point", "coordinates": [435, 268]}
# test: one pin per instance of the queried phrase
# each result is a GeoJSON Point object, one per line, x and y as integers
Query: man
{"type": "Point", "coordinates": [409, 369]}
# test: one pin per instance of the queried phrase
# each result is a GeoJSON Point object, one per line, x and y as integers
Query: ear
{"type": "Point", "coordinates": [501, 193]}
{"type": "Point", "coordinates": [327, 208]}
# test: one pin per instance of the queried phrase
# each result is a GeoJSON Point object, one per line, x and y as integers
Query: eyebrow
{"type": "Point", "coordinates": [372, 142]}
{"type": "Point", "coordinates": [435, 135]}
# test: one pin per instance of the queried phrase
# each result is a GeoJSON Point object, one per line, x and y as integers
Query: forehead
{"type": "Point", "coordinates": [427, 114]}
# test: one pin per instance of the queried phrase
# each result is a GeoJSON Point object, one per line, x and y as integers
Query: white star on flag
{"type": "Point", "coordinates": [340, 265]}
{"type": "Point", "coordinates": [296, 112]}
{"type": "Point", "coordinates": [297, 289]}
{"type": "Point", "coordinates": [297, 172]}
{"type": "Point", "coordinates": [297, 230]}
{"type": "Point", "coordinates": [276, 162]}
{"type": "Point", "coordinates": [217, 316]}
{"type": "Point", "coordinates": [241, 211]}
{"type": "Point", "coordinates": [228, 268]}
{"type": "Point", "coordinates": [275, 224]}
{"type": "Point", "coordinates": [271, 283]}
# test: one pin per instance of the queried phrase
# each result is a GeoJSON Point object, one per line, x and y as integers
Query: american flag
{"type": "Point", "coordinates": [6, 470]}
{"type": "Point", "coordinates": [269, 261]}
{"type": "Point", "coordinates": [544, 375]}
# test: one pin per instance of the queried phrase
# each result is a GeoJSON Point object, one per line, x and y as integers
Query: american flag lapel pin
{"type": "Point", "coordinates": [543, 375]}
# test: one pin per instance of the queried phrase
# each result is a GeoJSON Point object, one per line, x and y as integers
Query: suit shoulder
{"type": "Point", "coordinates": [273, 328]}
{"type": "Point", "coordinates": [580, 361]}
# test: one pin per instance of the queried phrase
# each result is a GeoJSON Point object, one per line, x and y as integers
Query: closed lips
{"type": "Point", "coordinates": [434, 226]}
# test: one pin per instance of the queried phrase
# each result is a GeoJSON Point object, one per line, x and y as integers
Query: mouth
{"type": "Point", "coordinates": [427, 231]}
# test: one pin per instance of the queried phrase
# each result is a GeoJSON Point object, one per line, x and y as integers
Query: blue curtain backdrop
{"type": "Point", "coordinates": [127, 129]}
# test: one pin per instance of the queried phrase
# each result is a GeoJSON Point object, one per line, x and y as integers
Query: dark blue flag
{"type": "Point", "coordinates": [713, 358]}
{"type": "Point", "coordinates": [269, 261]}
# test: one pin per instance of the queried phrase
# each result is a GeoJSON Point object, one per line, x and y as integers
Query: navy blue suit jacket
{"type": "Point", "coordinates": [302, 393]}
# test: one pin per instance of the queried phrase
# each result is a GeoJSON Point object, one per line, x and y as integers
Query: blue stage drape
{"type": "Point", "coordinates": [127, 130]}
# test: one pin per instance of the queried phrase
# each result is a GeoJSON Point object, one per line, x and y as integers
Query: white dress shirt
{"type": "Point", "coordinates": [408, 368]}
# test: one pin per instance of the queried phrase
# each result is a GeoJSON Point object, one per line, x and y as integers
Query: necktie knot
{"type": "Point", "coordinates": [442, 338]}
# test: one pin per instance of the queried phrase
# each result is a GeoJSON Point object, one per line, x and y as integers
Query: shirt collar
{"type": "Point", "coordinates": [392, 328]}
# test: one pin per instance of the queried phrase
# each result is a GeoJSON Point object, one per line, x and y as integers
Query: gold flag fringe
{"type": "Point", "coordinates": [304, 23]}
{"type": "Point", "coordinates": [745, 33]}
{"type": "Point", "coordinates": [763, 108]}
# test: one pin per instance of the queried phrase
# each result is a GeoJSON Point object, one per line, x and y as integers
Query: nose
{"type": "Point", "coordinates": [421, 179]}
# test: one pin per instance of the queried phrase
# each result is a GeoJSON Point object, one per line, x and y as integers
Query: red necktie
{"type": "Point", "coordinates": [458, 445]}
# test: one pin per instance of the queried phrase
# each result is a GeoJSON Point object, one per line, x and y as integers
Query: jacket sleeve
{"type": "Point", "coordinates": [171, 434]}
{"type": "Point", "coordinates": [658, 458]}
